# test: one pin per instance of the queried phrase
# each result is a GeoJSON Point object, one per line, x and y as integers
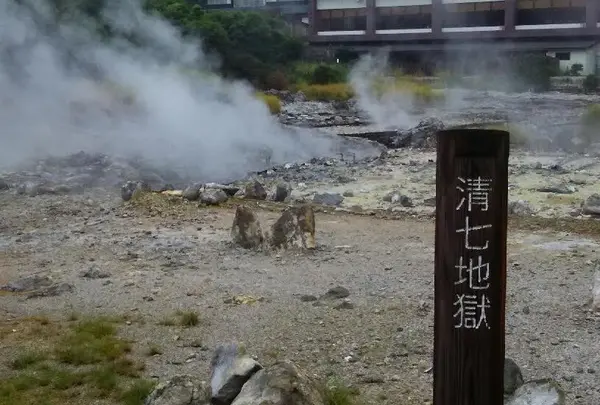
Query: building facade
{"type": "Point", "coordinates": [567, 28]}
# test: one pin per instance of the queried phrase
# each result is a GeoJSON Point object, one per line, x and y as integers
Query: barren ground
{"type": "Point", "coordinates": [181, 259]}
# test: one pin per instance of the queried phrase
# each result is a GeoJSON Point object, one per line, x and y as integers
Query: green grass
{"type": "Point", "coordinates": [336, 392]}
{"type": "Point", "coordinates": [73, 363]}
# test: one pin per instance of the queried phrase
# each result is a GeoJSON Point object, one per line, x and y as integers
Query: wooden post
{"type": "Point", "coordinates": [470, 266]}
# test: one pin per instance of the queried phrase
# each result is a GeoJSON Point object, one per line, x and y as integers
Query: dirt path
{"type": "Point", "coordinates": [381, 342]}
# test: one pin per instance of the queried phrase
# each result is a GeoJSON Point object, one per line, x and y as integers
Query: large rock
{"type": "Point", "coordinates": [596, 290]}
{"type": "Point", "coordinates": [334, 199]}
{"type": "Point", "coordinates": [520, 208]}
{"type": "Point", "coordinates": [4, 185]}
{"type": "Point", "coordinates": [281, 384]}
{"type": "Point", "coordinates": [591, 206]}
{"type": "Point", "coordinates": [255, 191]}
{"type": "Point", "coordinates": [192, 193]}
{"type": "Point", "coordinates": [538, 392]}
{"type": "Point", "coordinates": [282, 191]}
{"type": "Point", "coordinates": [513, 378]}
{"type": "Point", "coordinates": [179, 390]}
{"type": "Point", "coordinates": [246, 230]}
{"type": "Point", "coordinates": [229, 373]}
{"type": "Point", "coordinates": [132, 189]}
{"type": "Point", "coordinates": [213, 197]}
{"type": "Point", "coordinates": [295, 228]}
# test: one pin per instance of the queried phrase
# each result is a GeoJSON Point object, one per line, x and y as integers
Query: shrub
{"type": "Point", "coordinates": [271, 101]}
{"type": "Point", "coordinates": [590, 131]}
{"type": "Point", "coordinates": [327, 92]}
{"type": "Point", "coordinates": [276, 80]}
{"type": "Point", "coordinates": [575, 69]}
{"type": "Point", "coordinates": [328, 74]}
{"type": "Point", "coordinates": [518, 136]}
{"type": "Point", "coordinates": [590, 84]}
{"type": "Point", "coordinates": [533, 71]}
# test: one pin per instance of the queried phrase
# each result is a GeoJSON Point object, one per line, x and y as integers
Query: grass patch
{"type": "Point", "coordinates": [336, 392]}
{"type": "Point", "coordinates": [272, 102]}
{"type": "Point", "coordinates": [186, 319]}
{"type": "Point", "coordinates": [327, 92]}
{"type": "Point", "coordinates": [81, 361]}
{"type": "Point", "coordinates": [153, 350]}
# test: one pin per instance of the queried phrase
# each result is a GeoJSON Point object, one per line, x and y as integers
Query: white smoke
{"type": "Point", "coordinates": [199, 125]}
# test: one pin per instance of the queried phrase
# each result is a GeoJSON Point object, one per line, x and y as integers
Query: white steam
{"type": "Point", "coordinates": [198, 125]}
{"type": "Point", "coordinates": [392, 109]}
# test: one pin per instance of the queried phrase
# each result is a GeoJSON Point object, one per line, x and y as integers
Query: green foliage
{"type": "Point", "coordinates": [575, 69]}
{"type": "Point", "coordinates": [328, 74]}
{"type": "Point", "coordinates": [590, 84]}
{"type": "Point", "coordinates": [533, 71]}
{"type": "Point", "coordinates": [250, 45]}
{"type": "Point", "coordinates": [327, 92]}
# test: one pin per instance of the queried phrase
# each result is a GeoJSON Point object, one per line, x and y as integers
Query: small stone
{"type": "Point", "coordinates": [308, 298]}
{"type": "Point", "coordinates": [348, 193]}
{"type": "Point", "coordinates": [591, 206]}
{"type": "Point", "coordinates": [345, 304]}
{"type": "Point", "coordinates": [94, 272]}
{"type": "Point", "coordinates": [336, 293]}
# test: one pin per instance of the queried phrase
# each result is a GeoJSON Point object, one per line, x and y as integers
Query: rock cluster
{"type": "Point", "coordinates": [237, 379]}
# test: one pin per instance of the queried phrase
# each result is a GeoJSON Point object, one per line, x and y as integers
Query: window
{"type": "Point", "coordinates": [350, 19]}
{"type": "Point", "coordinates": [410, 17]}
{"type": "Point", "coordinates": [563, 55]}
{"type": "Point", "coordinates": [538, 12]}
{"type": "Point", "coordinates": [217, 2]}
{"type": "Point", "coordinates": [487, 14]}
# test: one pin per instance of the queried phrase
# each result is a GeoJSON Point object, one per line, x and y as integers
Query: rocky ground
{"type": "Point", "coordinates": [360, 306]}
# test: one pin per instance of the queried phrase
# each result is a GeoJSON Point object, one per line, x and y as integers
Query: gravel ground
{"type": "Point", "coordinates": [157, 263]}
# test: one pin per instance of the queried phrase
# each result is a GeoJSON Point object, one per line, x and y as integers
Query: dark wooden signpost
{"type": "Point", "coordinates": [470, 266]}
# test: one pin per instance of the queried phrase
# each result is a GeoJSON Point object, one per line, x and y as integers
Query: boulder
{"type": "Point", "coordinates": [192, 193]}
{"type": "Point", "coordinates": [132, 189]}
{"type": "Point", "coordinates": [282, 191]}
{"type": "Point", "coordinates": [246, 230]}
{"type": "Point", "coordinates": [213, 197]}
{"type": "Point", "coordinates": [255, 191]}
{"type": "Point", "coordinates": [295, 227]}
{"type": "Point", "coordinates": [520, 207]}
{"type": "Point", "coordinates": [334, 199]}
{"type": "Point", "coordinates": [591, 206]}
{"type": "Point", "coordinates": [513, 379]}
{"type": "Point", "coordinates": [538, 392]}
{"type": "Point", "coordinates": [596, 290]}
{"type": "Point", "coordinates": [179, 390]}
{"type": "Point", "coordinates": [281, 384]}
{"type": "Point", "coordinates": [229, 372]}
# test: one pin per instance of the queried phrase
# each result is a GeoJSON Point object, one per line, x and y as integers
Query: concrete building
{"type": "Point", "coordinates": [566, 29]}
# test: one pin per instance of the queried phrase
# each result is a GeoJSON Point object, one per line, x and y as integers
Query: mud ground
{"type": "Point", "coordinates": [177, 256]}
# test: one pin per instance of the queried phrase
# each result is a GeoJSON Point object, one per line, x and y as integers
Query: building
{"type": "Point", "coordinates": [566, 29]}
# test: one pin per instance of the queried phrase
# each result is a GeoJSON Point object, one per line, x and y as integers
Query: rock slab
{"type": "Point", "coordinates": [246, 231]}
{"type": "Point", "coordinates": [179, 390]}
{"type": "Point", "coordinates": [538, 392]}
{"type": "Point", "coordinates": [295, 227]}
{"type": "Point", "coordinates": [229, 373]}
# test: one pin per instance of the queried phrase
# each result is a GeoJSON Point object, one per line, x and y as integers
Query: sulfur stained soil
{"type": "Point", "coordinates": [164, 256]}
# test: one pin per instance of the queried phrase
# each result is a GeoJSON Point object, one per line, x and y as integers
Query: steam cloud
{"type": "Point", "coordinates": [201, 125]}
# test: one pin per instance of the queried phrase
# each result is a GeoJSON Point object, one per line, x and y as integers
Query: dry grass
{"type": "Point", "coordinates": [186, 319]}
{"type": "Point", "coordinates": [335, 392]}
{"type": "Point", "coordinates": [272, 102]}
{"type": "Point", "coordinates": [70, 362]}
{"type": "Point", "coordinates": [327, 92]}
